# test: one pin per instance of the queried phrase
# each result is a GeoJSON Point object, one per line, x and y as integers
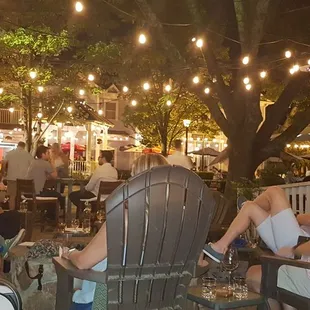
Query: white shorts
{"type": "Point", "coordinates": [281, 230]}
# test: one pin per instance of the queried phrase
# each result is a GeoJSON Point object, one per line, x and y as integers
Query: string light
{"type": "Point", "coordinates": [70, 109]}
{"type": "Point", "coordinates": [79, 7]}
{"type": "Point", "coordinates": [199, 43]}
{"type": "Point", "coordinates": [146, 86]}
{"type": "Point", "coordinates": [246, 80]}
{"type": "Point", "coordinates": [39, 115]}
{"type": "Point", "coordinates": [142, 38]}
{"type": "Point", "coordinates": [194, 39]}
{"type": "Point", "coordinates": [248, 86]}
{"type": "Point", "coordinates": [263, 74]}
{"type": "Point", "coordinates": [207, 90]}
{"type": "Point", "coordinates": [292, 71]}
{"type": "Point", "coordinates": [40, 89]}
{"type": "Point", "coordinates": [169, 103]}
{"type": "Point", "coordinates": [245, 60]}
{"type": "Point", "coordinates": [168, 88]}
{"type": "Point", "coordinates": [296, 67]}
{"type": "Point", "coordinates": [82, 92]}
{"type": "Point", "coordinates": [309, 62]}
{"type": "Point", "coordinates": [196, 80]}
{"type": "Point", "coordinates": [125, 89]}
{"type": "Point", "coordinates": [91, 77]}
{"type": "Point", "coordinates": [33, 74]}
{"type": "Point", "coordinates": [133, 103]}
{"type": "Point", "coordinates": [296, 146]}
{"type": "Point", "coordinates": [288, 54]}
{"type": "Point", "coordinates": [288, 145]}
{"type": "Point", "coordinates": [100, 112]}
{"type": "Point", "coordinates": [11, 110]}
{"type": "Point", "coordinates": [1, 90]}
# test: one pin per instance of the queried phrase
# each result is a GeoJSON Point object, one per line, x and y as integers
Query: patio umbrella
{"type": "Point", "coordinates": [208, 151]}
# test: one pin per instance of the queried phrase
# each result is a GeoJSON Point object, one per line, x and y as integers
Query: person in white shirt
{"type": "Point", "coordinates": [104, 172]}
{"type": "Point", "coordinates": [178, 158]}
{"type": "Point", "coordinates": [15, 166]}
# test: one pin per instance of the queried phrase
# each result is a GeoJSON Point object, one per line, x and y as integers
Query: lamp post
{"type": "Point", "coordinates": [186, 123]}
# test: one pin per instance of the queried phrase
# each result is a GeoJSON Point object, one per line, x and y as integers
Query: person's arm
{"type": "Point", "coordinates": [51, 170]}
{"type": "Point", "coordinates": [93, 181]}
{"type": "Point", "coordinates": [303, 219]}
{"type": "Point", "coordinates": [94, 253]}
{"type": "Point", "coordinates": [301, 250]}
{"type": "Point", "coordinates": [189, 164]}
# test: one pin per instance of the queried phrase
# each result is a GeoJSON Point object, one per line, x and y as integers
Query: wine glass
{"type": "Point", "coordinates": [62, 227]}
{"type": "Point", "coordinates": [75, 224]}
{"type": "Point", "coordinates": [230, 263]}
{"type": "Point", "coordinates": [100, 215]}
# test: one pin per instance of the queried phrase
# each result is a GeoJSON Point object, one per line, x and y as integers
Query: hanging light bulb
{"type": "Point", "coordinates": [100, 112]}
{"type": "Point", "coordinates": [169, 103]}
{"type": "Point", "coordinates": [39, 115]}
{"type": "Point", "coordinates": [1, 90]}
{"type": "Point", "coordinates": [248, 86]}
{"type": "Point", "coordinates": [146, 86]}
{"type": "Point", "coordinates": [296, 67]}
{"type": "Point", "coordinates": [133, 103]}
{"type": "Point", "coordinates": [33, 74]}
{"type": "Point", "coordinates": [246, 80]}
{"type": "Point", "coordinates": [168, 88]}
{"type": "Point", "coordinates": [207, 90]}
{"type": "Point", "coordinates": [40, 89]}
{"type": "Point", "coordinates": [199, 43]}
{"type": "Point", "coordinates": [194, 39]}
{"type": "Point", "coordinates": [292, 71]}
{"type": "Point", "coordinates": [245, 60]}
{"type": "Point", "coordinates": [69, 109]}
{"type": "Point", "coordinates": [263, 74]}
{"type": "Point", "coordinates": [196, 80]}
{"type": "Point", "coordinates": [125, 89]}
{"type": "Point", "coordinates": [82, 92]}
{"type": "Point", "coordinates": [11, 110]}
{"type": "Point", "coordinates": [288, 54]}
{"type": "Point", "coordinates": [91, 77]}
{"type": "Point", "coordinates": [142, 38]}
{"type": "Point", "coordinates": [79, 7]}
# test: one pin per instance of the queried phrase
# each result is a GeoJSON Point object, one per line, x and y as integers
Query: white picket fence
{"type": "Point", "coordinates": [299, 196]}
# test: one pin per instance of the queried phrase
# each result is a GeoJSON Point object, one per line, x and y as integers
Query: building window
{"type": "Point", "coordinates": [110, 110]}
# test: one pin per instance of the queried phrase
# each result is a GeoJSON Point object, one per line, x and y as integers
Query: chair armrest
{"type": "Point", "coordinates": [64, 265]}
{"type": "Point", "coordinates": [270, 268]}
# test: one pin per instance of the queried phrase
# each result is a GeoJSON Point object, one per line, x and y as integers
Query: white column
{"type": "Point", "coordinates": [72, 146]}
{"type": "Point", "coordinates": [59, 134]}
{"type": "Point", "coordinates": [88, 143]}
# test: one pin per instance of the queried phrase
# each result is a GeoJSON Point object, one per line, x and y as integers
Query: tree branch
{"type": "Point", "coordinates": [276, 112]}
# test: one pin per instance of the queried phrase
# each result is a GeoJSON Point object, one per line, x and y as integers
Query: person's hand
{"type": "Point", "coordinates": [286, 252]}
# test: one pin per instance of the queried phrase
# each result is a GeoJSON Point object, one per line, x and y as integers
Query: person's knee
{"type": "Point", "coordinates": [275, 192]}
{"type": "Point", "coordinates": [253, 278]}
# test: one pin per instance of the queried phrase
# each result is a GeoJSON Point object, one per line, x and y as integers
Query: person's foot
{"type": "Point", "coordinates": [10, 243]}
{"type": "Point", "coordinates": [240, 202]}
{"type": "Point", "coordinates": [212, 253]}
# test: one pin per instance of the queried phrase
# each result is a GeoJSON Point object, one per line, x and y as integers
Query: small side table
{"type": "Point", "coordinates": [195, 294]}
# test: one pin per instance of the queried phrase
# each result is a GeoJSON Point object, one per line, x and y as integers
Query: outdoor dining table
{"type": "Point", "coordinates": [70, 182]}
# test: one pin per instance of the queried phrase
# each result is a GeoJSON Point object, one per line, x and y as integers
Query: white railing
{"type": "Point", "coordinates": [299, 196]}
{"type": "Point", "coordinates": [7, 117]}
{"type": "Point", "coordinates": [82, 167]}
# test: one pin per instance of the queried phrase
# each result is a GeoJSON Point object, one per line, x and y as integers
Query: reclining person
{"type": "Point", "coordinates": [278, 227]}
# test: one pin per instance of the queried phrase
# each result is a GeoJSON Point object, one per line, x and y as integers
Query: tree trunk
{"type": "Point", "coordinates": [164, 145]}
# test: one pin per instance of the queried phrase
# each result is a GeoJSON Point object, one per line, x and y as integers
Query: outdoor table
{"type": "Point", "coordinates": [195, 294]}
{"type": "Point", "coordinates": [69, 182]}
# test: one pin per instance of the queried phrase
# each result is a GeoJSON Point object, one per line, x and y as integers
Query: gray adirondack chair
{"type": "Point", "coordinates": [169, 214]}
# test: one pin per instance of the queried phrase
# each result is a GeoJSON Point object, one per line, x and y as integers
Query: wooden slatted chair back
{"type": "Point", "coordinates": [25, 187]}
{"type": "Point", "coordinates": [221, 207]}
{"type": "Point", "coordinates": [151, 259]}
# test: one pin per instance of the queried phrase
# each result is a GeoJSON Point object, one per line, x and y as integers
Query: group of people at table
{"type": "Point", "coordinates": [270, 212]}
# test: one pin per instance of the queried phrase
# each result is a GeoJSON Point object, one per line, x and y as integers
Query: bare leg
{"type": "Point", "coordinates": [253, 279]}
{"type": "Point", "coordinates": [273, 199]}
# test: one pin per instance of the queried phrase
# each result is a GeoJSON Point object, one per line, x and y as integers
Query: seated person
{"type": "Point", "coordinates": [39, 171]}
{"type": "Point", "coordinates": [278, 227]}
{"type": "Point", "coordinates": [94, 255]}
{"type": "Point", "coordinates": [104, 172]}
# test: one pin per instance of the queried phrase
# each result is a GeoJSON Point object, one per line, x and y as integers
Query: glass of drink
{"type": "Point", "coordinates": [100, 215]}
{"type": "Point", "coordinates": [230, 263]}
{"type": "Point", "coordinates": [23, 206]}
{"type": "Point", "coordinates": [75, 224]}
{"type": "Point", "coordinates": [208, 287]}
{"type": "Point", "coordinates": [86, 226]}
{"type": "Point", "coordinates": [240, 288]}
